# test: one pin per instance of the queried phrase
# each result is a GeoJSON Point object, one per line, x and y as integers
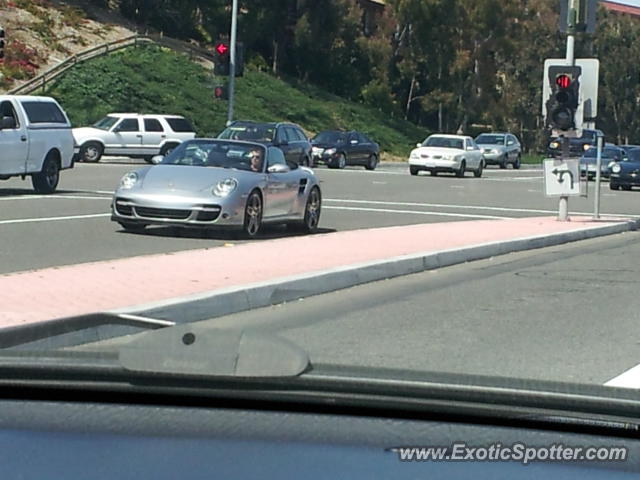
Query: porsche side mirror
{"type": "Point", "coordinates": [156, 159]}
{"type": "Point", "coordinates": [278, 168]}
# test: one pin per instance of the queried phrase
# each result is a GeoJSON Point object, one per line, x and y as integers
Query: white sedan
{"type": "Point", "coordinates": [447, 153]}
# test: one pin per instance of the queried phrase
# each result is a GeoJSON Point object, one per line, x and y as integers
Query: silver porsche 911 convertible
{"type": "Point", "coordinates": [219, 183]}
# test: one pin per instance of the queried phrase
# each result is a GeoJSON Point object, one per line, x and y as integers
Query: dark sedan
{"type": "Point", "coordinates": [626, 174]}
{"type": "Point", "coordinates": [610, 154]}
{"type": "Point", "coordinates": [288, 137]}
{"type": "Point", "coordinates": [577, 146]}
{"type": "Point", "coordinates": [338, 149]}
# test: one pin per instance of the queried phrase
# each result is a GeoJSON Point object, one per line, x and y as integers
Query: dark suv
{"type": "Point", "coordinates": [287, 136]}
{"type": "Point", "coordinates": [577, 146]}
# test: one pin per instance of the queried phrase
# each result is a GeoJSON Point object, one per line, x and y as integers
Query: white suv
{"type": "Point", "coordinates": [131, 135]}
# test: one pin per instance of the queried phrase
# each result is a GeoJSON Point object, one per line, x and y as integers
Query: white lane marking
{"type": "Point", "coordinates": [514, 179]}
{"type": "Point", "coordinates": [628, 379]}
{"type": "Point", "coordinates": [379, 183]}
{"type": "Point", "coordinates": [53, 219]}
{"type": "Point", "coordinates": [469, 207]}
{"type": "Point", "coordinates": [40, 197]}
{"type": "Point", "coordinates": [416, 212]}
{"type": "Point", "coordinates": [457, 186]}
{"type": "Point", "coordinates": [106, 192]}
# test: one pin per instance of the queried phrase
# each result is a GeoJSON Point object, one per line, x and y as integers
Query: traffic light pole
{"type": "Point", "coordinates": [232, 62]}
{"type": "Point", "coordinates": [563, 204]}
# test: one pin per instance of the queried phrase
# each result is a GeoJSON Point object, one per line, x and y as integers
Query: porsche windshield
{"type": "Point", "coordinates": [219, 154]}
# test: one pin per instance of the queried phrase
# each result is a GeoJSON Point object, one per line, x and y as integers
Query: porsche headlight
{"type": "Point", "coordinates": [225, 187]}
{"type": "Point", "coordinates": [554, 145]}
{"type": "Point", "coordinates": [586, 147]}
{"type": "Point", "coordinates": [129, 180]}
{"type": "Point", "coordinates": [330, 151]}
{"type": "Point", "coordinates": [616, 168]}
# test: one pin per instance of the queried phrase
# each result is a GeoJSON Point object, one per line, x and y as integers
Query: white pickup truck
{"type": "Point", "coordinates": [35, 140]}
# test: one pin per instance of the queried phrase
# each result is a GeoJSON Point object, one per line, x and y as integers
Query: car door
{"type": "Point", "coordinates": [282, 187]}
{"type": "Point", "coordinates": [296, 146]}
{"type": "Point", "coordinates": [354, 149]}
{"type": "Point", "coordinates": [366, 147]}
{"type": "Point", "coordinates": [282, 141]}
{"type": "Point", "coordinates": [513, 148]}
{"type": "Point", "coordinates": [13, 143]}
{"type": "Point", "coordinates": [127, 137]}
{"type": "Point", "coordinates": [153, 136]}
{"type": "Point", "coordinates": [473, 153]}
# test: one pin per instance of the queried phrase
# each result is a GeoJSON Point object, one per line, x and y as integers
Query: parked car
{"type": "Point", "coordinates": [35, 140]}
{"type": "Point", "coordinates": [447, 153]}
{"type": "Point", "coordinates": [338, 149]}
{"type": "Point", "coordinates": [131, 135]}
{"type": "Point", "coordinates": [610, 153]}
{"type": "Point", "coordinates": [577, 146]}
{"type": "Point", "coordinates": [500, 149]}
{"type": "Point", "coordinates": [626, 174]}
{"type": "Point", "coordinates": [214, 183]}
{"type": "Point", "coordinates": [290, 138]}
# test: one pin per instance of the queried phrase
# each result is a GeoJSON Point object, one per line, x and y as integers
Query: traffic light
{"type": "Point", "coordinates": [221, 92]}
{"type": "Point", "coordinates": [563, 107]}
{"type": "Point", "coordinates": [222, 60]}
{"type": "Point", "coordinates": [2, 43]}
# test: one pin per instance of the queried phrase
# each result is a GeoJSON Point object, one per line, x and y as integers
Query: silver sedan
{"type": "Point", "coordinates": [207, 183]}
{"type": "Point", "coordinates": [500, 149]}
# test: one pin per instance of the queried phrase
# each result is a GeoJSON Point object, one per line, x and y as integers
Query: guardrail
{"type": "Point", "coordinates": [40, 82]}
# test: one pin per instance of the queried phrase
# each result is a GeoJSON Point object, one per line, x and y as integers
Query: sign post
{"type": "Point", "coordinates": [596, 210]}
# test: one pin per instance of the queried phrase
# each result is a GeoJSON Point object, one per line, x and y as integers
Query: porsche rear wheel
{"type": "Point", "coordinates": [253, 215]}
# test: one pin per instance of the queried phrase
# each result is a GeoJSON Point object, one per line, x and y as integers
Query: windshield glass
{"type": "Point", "coordinates": [249, 132]}
{"type": "Point", "coordinates": [202, 153]}
{"type": "Point", "coordinates": [606, 153]}
{"type": "Point", "coordinates": [198, 196]}
{"type": "Point", "coordinates": [106, 123]}
{"type": "Point", "coordinates": [444, 142]}
{"type": "Point", "coordinates": [330, 137]}
{"type": "Point", "coordinates": [490, 139]}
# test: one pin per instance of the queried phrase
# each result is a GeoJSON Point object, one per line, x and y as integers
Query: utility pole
{"type": "Point", "coordinates": [232, 62]}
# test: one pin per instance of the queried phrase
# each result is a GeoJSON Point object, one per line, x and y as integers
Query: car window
{"type": "Point", "coordinates": [301, 135]}
{"type": "Point", "coordinates": [129, 125]}
{"type": "Point", "coordinates": [444, 142]}
{"type": "Point", "coordinates": [43, 112]}
{"type": "Point", "coordinates": [488, 139]}
{"type": "Point", "coordinates": [180, 125]}
{"type": "Point", "coordinates": [362, 138]}
{"type": "Point", "coordinates": [7, 110]}
{"type": "Point", "coordinates": [291, 135]}
{"type": "Point", "coordinates": [275, 157]}
{"type": "Point", "coordinates": [106, 123]}
{"type": "Point", "coordinates": [152, 125]}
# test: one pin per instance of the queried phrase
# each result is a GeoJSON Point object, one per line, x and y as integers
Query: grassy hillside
{"type": "Point", "coordinates": [153, 80]}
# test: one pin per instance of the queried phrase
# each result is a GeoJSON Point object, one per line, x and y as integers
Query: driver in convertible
{"type": "Point", "coordinates": [256, 160]}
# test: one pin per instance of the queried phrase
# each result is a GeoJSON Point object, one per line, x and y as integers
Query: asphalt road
{"type": "Point", "coordinates": [73, 226]}
{"type": "Point", "coordinates": [566, 313]}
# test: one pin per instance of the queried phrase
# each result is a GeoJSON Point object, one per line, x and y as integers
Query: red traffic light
{"type": "Point", "coordinates": [222, 48]}
{"type": "Point", "coordinates": [563, 81]}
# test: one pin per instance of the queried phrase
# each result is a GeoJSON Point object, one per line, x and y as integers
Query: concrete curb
{"type": "Point", "coordinates": [236, 299]}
